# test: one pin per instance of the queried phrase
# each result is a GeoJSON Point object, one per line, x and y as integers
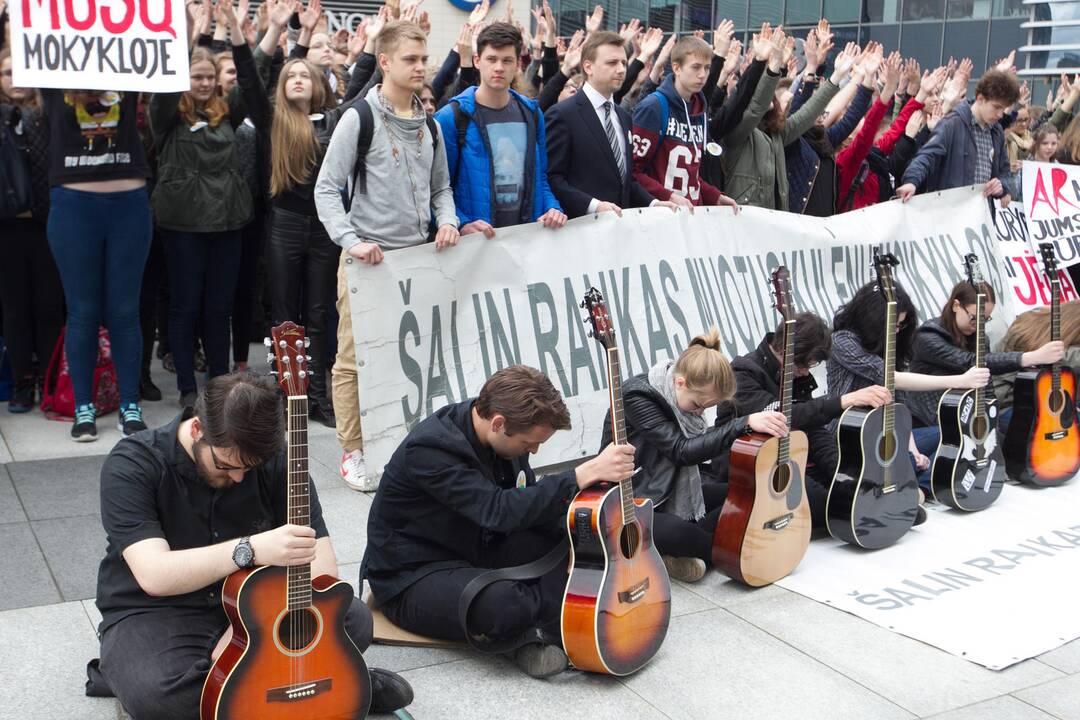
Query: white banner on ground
{"type": "Point", "coordinates": [1022, 265]}
{"type": "Point", "coordinates": [134, 45]}
{"type": "Point", "coordinates": [1052, 207]}
{"type": "Point", "coordinates": [430, 327]}
{"type": "Point", "coordinates": [994, 587]}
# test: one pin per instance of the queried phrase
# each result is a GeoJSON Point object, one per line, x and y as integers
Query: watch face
{"type": "Point", "coordinates": [242, 555]}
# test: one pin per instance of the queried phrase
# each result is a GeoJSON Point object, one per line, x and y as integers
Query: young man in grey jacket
{"type": "Point", "coordinates": [409, 182]}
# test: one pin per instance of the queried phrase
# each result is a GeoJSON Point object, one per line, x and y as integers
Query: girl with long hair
{"type": "Point", "coordinates": [1044, 143]}
{"type": "Point", "coordinates": [201, 202]}
{"type": "Point", "coordinates": [945, 345]}
{"type": "Point", "coordinates": [674, 447]}
{"type": "Point", "coordinates": [30, 291]}
{"type": "Point", "coordinates": [857, 361]}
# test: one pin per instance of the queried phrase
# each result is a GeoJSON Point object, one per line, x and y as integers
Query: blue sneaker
{"type": "Point", "coordinates": [85, 427]}
{"type": "Point", "coordinates": [130, 421]}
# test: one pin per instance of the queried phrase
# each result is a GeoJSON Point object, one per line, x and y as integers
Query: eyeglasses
{"type": "Point", "coordinates": [971, 316]}
{"type": "Point", "coordinates": [217, 463]}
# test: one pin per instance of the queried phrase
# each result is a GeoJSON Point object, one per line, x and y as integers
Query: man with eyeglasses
{"type": "Point", "coordinates": [184, 506]}
{"type": "Point", "coordinates": [757, 377]}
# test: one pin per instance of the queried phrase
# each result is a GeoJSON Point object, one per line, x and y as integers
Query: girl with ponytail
{"type": "Point", "coordinates": [675, 445]}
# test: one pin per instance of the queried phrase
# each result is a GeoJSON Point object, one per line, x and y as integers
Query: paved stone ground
{"type": "Point", "coordinates": [730, 652]}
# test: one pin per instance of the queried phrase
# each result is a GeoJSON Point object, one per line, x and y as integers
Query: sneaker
{"type": "Point", "coordinates": [687, 569]}
{"type": "Point", "coordinates": [187, 400]}
{"type": "Point", "coordinates": [354, 472]}
{"type": "Point", "coordinates": [130, 421]}
{"type": "Point", "coordinates": [389, 692]}
{"type": "Point", "coordinates": [540, 661]}
{"type": "Point", "coordinates": [85, 427]}
{"type": "Point", "coordinates": [22, 396]}
{"type": "Point", "coordinates": [147, 389]}
{"type": "Point", "coordinates": [322, 411]}
{"type": "Point", "coordinates": [168, 364]}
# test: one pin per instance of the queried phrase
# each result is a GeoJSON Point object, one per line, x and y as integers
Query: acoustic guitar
{"type": "Point", "coordinates": [289, 656]}
{"type": "Point", "coordinates": [764, 527]}
{"type": "Point", "coordinates": [969, 470]}
{"type": "Point", "coordinates": [874, 496]}
{"type": "Point", "coordinates": [1042, 445]}
{"type": "Point", "coordinates": [617, 602]}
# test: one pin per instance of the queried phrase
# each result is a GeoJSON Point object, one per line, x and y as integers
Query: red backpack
{"type": "Point", "coordinates": [58, 395]}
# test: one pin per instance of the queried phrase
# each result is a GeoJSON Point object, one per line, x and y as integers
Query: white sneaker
{"type": "Point", "coordinates": [354, 472]}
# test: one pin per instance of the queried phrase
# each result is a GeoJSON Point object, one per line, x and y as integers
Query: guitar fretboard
{"type": "Point", "coordinates": [618, 429]}
{"type": "Point", "coordinates": [787, 378]}
{"type": "Point", "coordinates": [981, 351]}
{"type": "Point", "coordinates": [890, 384]}
{"type": "Point", "coordinates": [1055, 325]}
{"type": "Point", "coordinates": [299, 585]}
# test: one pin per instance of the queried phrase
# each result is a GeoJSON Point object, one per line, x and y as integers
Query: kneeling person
{"type": "Point", "coordinates": [184, 506]}
{"type": "Point", "coordinates": [458, 498]}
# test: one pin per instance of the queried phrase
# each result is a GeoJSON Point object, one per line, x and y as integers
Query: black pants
{"type": "Point", "coordinates": [685, 538]}
{"type": "Point", "coordinates": [202, 276]}
{"type": "Point", "coordinates": [155, 663]}
{"type": "Point", "coordinates": [303, 264]}
{"type": "Point", "coordinates": [153, 300]}
{"type": "Point", "coordinates": [31, 295]}
{"type": "Point", "coordinates": [822, 460]}
{"type": "Point", "coordinates": [502, 610]}
{"type": "Point", "coordinates": [243, 327]}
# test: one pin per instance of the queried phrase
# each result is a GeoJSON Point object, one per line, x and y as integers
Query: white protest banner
{"type": "Point", "coordinates": [1021, 264]}
{"type": "Point", "coordinates": [430, 327]}
{"type": "Point", "coordinates": [1052, 207]}
{"type": "Point", "coordinates": [134, 45]}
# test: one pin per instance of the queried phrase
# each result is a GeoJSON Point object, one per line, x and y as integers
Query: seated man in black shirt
{"type": "Point", "coordinates": [757, 378]}
{"type": "Point", "coordinates": [184, 506]}
{"type": "Point", "coordinates": [458, 498]}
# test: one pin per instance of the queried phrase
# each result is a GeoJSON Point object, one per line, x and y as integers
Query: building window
{"type": "Point", "coordinates": [924, 9]}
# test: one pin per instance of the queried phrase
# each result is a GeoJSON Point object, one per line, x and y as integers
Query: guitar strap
{"type": "Point", "coordinates": [528, 571]}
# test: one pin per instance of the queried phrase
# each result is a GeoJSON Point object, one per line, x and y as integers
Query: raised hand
{"type": "Point", "coordinates": [761, 43]}
{"type": "Point", "coordinates": [480, 11]}
{"type": "Point", "coordinates": [931, 83]}
{"type": "Point", "coordinates": [722, 37]}
{"type": "Point", "coordinates": [650, 43]}
{"type": "Point", "coordinates": [913, 76]}
{"type": "Point", "coordinates": [572, 58]}
{"type": "Point", "coordinates": [630, 30]}
{"type": "Point", "coordinates": [279, 13]}
{"type": "Point", "coordinates": [550, 26]}
{"type": "Point", "coordinates": [915, 124]}
{"type": "Point", "coordinates": [358, 39]}
{"type": "Point", "coordinates": [377, 22]}
{"type": "Point", "coordinates": [788, 55]}
{"type": "Point", "coordinates": [310, 17]}
{"type": "Point", "coordinates": [1006, 64]}
{"type": "Point", "coordinates": [892, 73]}
{"type": "Point", "coordinates": [595, 21]}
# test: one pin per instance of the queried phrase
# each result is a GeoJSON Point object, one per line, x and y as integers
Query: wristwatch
{"type": "Point", "coordinates": [243, 554]}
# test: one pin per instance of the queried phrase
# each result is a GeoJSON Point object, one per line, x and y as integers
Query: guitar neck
{"type": "Point", "coordinates": [1055, 324]}
{"type": "Point", "coordinates": [787, 379]}
{"type": "Point", "coordinates": [298, 509]}
{"type": "Point", "coordinates": [890, 361]}
{"type": "Point", "coordinates": [980, 351]}
{"type": "Point", "coordinates": [618, 428]}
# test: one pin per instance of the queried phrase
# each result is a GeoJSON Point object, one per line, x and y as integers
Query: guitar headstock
{"type": "Point", "coordinates": [781, 281]}
{"type": "Point", "coordinates": [1049, 260]}
{"type": "Point", "coordinates": [289, 345]}
{"type": "Point", "coordinates": [883, 265]}
{"type": "Point", "coordinates": [599, 317]}
{"type": "Point", "coordinates": [974, 271]}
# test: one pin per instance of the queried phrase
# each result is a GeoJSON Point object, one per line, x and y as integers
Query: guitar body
{"type": "Point", "coordinates": [764, 526]}
{"type": "Point", "coordinates": [969, 469]}
{"type": "Point", "coordinates": [617, 602]}
{"type": "Point", "coordinates": [857, 510]}
{"type": "Point", "coordinates": [258, 677]}
{"type": "Point", "coordinates": [1042, 444]}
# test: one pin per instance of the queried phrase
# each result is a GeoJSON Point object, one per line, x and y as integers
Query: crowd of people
{"type": "Point", "coordinates": [197, 219]}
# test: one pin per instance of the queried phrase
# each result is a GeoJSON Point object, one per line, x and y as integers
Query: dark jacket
{"type": "Point", "coordinates": [581, 165]}
{"type": "Point", "coordinates": [444, 496]}
{"type": "Point", "coordinates": [935, 354]}
{"type": "Point", "coordinates": [31, 132]}
{"type": "Point", "coordinates": [948, 159]}
{"type": "Point", "coordinates": [660, 446]}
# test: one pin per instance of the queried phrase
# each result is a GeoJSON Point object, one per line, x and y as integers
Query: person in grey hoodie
{"type": "Point", "coordinates": [409, 183]}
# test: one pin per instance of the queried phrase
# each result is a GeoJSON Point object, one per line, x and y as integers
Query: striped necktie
{"type": "Point", "coordinates": [616, 146]}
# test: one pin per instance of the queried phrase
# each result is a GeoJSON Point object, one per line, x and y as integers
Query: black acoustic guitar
{"type": "Point", "coordinates": [969, 469]}
{"type": "Point", "coordinates": [874, 496]}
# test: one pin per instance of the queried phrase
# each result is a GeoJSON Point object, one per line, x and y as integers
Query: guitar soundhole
{"type": "Point", "coordinates": [297, 629]}
{"type": "Point", "coordinates": [980, 428]}
{"type": "Point", "coordinates": [1057, 401]}
{"type": "Point", "coordinates": [887, 448]}
{"type": "Point", "coordinates": [781, 478]}
{"type": "Point", "coordinates": [629, 539]}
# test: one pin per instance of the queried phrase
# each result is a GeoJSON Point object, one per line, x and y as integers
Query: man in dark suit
{"type": "Point", "coordinates": [590, 163]}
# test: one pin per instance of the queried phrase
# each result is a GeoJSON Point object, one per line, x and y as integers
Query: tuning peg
{"type": "Point", "coordinates": [286, 375]}
{"type": "Point", "coordinates": [303, 374]}
{"type": "Point", "coordinates": [269, 357]}
{"type": "Point", "coordinates": [274, 373]}
{"type": "Point", "coordinates": [285, 359]}
{"type": "Point", "coordinates": [590, 333]}
{"type": "Point", "coordinates": [282, 344]}
{"type": "Point", "coordinates": [308, 358]}
{"type": "Point", "coordinates": [268, 342]}
{"type": "Point", "coordinates": [307, 342]}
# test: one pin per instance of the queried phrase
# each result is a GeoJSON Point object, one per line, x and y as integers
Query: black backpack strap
{"type": "Point", "coordinates": [431, 123]}
{"type": "Point", "coordinates": [856, 186]}
{"type": "Point", "coordinates": [461, 124]}
{"type": "Point", "coordinates": [363, 144]}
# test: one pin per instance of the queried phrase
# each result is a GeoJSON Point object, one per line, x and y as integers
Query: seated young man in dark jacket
{"type": "Point", "coordinates": [458, 498]}
{"type": "Point", "coordinates": [757, 379]}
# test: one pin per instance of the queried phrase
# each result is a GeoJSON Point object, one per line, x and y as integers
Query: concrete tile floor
{"type": "Point", "coordinates": [731, 652]}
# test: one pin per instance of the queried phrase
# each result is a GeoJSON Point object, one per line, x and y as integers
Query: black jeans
{"type": "Point", "coordinates": [31, 295]}
{"type": "Point", "coordinates": [504, 609]}
{"type": "Point", "coordinates": [243, 327]}
{"type": "Point", "coordinates": [303, 264]}
{"type": "Point", "coordinates": [153, 300]}
{"type": "Point", "coordinates": [685, 538]}
{"type": "Point", "coordinates": [155, 663]}
{"type": "Point", "coordinates": [202, 273]}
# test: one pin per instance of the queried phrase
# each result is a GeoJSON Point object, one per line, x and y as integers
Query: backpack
{"type": "Point", "coordinates": [363, 144]}
{"type": "Point", "coordinates": [16, 194]}
{"type": "Point", "coordinates": [58, 394]}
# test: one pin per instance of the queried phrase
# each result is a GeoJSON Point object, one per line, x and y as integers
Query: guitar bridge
{"type": "Point", "coordinates": [779, 523]}
{"type": "Point", "coordinates": [300, 691]}
{"type": "Point", "coordinates": [886, 489]}
{"type": "Point", "coordinates": [1058, 435]}
{"type": "Point", "coordinates": [635, 593]}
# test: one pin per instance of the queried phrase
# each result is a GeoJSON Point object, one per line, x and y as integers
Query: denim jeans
{"type": "Point", "coordinates": [927, 440]}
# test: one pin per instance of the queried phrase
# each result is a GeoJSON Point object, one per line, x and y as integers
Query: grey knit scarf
{"type": "Point", "coordinates": [686, 500]}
